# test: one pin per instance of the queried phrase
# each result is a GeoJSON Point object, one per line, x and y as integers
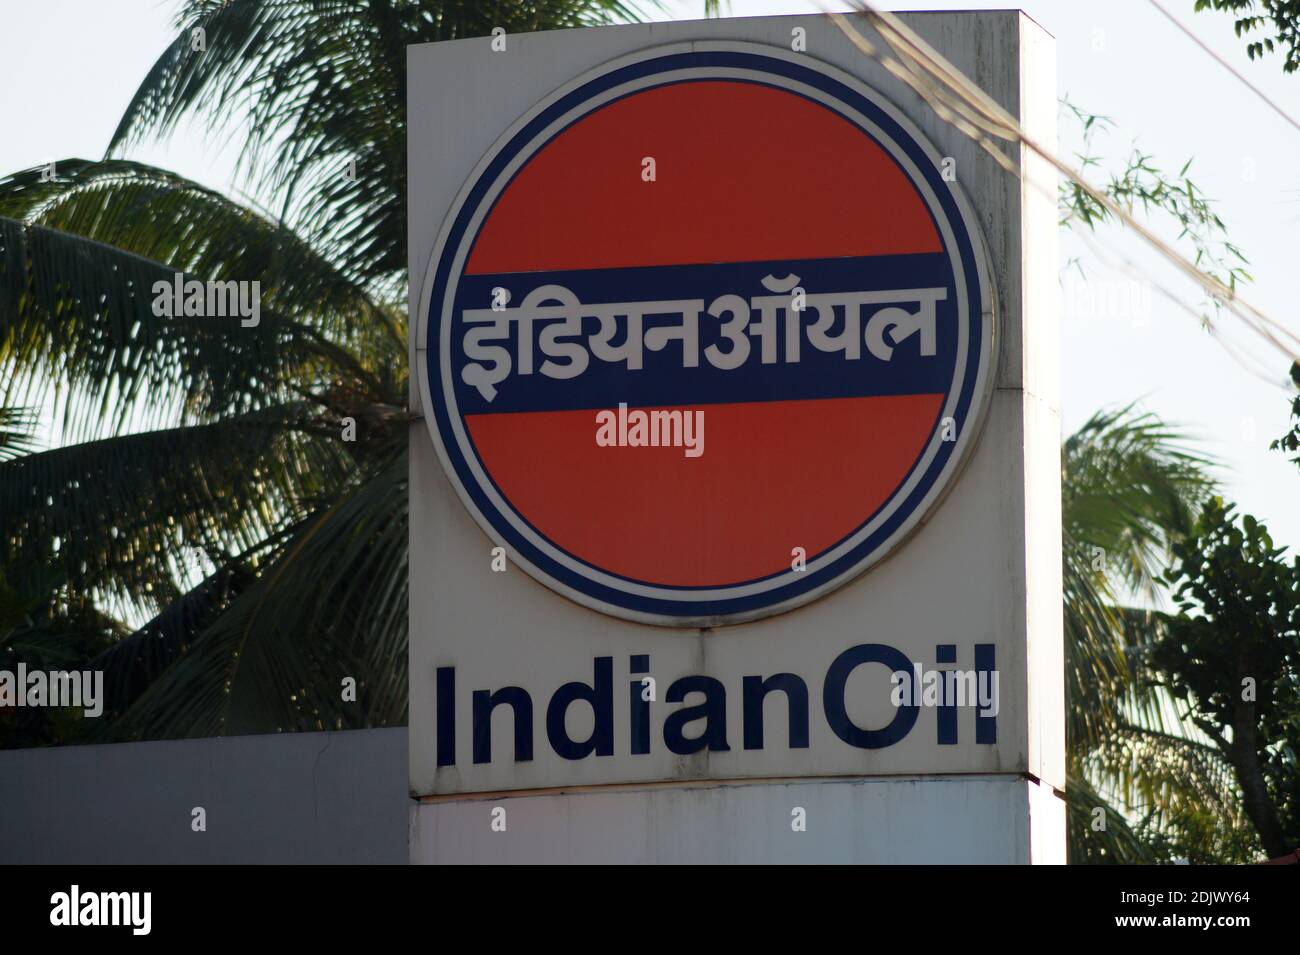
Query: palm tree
{"type": "Point", "coordinates": [206, 478]}
{"type": "Point", "coordinates": [1130, 487]}
{"type": "Point", "coordinates": [41, 627]}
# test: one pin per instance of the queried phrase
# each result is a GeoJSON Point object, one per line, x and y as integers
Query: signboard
{"type": "Point", "coordinates": [709, 333]}
{"type": "Point", "coordinates": [734, 468]}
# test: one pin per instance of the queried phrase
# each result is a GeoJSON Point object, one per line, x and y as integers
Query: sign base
{"type": "Point", "coordinates": [956, 820]}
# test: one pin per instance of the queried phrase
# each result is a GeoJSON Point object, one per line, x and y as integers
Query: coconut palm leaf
{"type": "Point", "coordinates": [1181, 789]}
{"type": "Point", "coordinates": [126, 515]}
{"type": "Point", "coordinates": [318, 85]}
{"type": "Point", "coordinates": [133, 663]}
{"type": "Point", "coordinates": [1097, 833]}
{"type": "Point", "coordinates": [330, 605]}
{"type": "Point", "coordinates": [79, 314]}
{"type": "Point", "coordinates": [167, 218]}
{"type": "Point", "coordinates": [43, 628]}
{"type": "Point", "coordinates": [1132, 483]}
{"type": "Point", "coordinates": [1130, 487]}
{"type": "Point", "coordinates": [15, 432]}
{"type": "Point", "coordinates": [1160, 767]}
{"type": "Point", "coordinates": [1096, 667]}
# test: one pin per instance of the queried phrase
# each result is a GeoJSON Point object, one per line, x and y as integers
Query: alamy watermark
{"type": "Point", "coordinates": [651, 429]}
{"type": "Point", "coordinates": [195, 299]}
{"type": "Point", "coordinates": [922, 687]}
{"type": "Point", "coordinates": [53, 688]}
{"type": "Point", "coordinates": [74, 907]}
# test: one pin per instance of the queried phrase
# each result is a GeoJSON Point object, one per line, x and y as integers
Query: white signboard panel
{"type": "Point", "coordinates": [581, 616]}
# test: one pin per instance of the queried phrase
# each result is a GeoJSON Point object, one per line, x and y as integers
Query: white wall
{"type": "Point", "coordinates": [288, 798]}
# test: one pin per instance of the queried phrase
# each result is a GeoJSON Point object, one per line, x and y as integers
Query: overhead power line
{"type": "Point", "coordinates": [1225, 64]}
{"type": "Point", "coordinates": [959, 101]}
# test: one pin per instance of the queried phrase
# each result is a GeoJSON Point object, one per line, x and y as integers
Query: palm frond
{"type": "Point", "coordinates": [1182, 790]}
{"type": "Point", "coordinates": [330, 604]}
{"type": "Point", "coordinates": [1096, 667]}
{"type": "Point", "coordinates": [166, 218]}
{"type": "Point", "coordinates": [1097, 833]}
{"type": "Point", "coordinates": [137, 660]}
{"type": "Point", "coordinates": [127, 515]}
{"type": "Point", "coordinates": [1130, 484]}
{"type": "Point", "coordinates": [317, 85]}
{"type": "Point", "coordinates": [1130, 488]}
{"type": "Point", "coordinates": [16, 432]}
{"type": "Point", "coordinates": [77, 315]}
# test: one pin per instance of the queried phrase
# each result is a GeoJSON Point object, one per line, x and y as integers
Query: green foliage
{"type": "Point", "coordinates": [1247, 605]}
{"type": "Point", "coordinates": [1182, 791]}
{"type": "Point", "coordinates": [330, 605]}
{"type": "Point", "coordinates": [39, 627]}
{"type": "Point", "coordinates": [206, 481]}
{"type": "Point", "coordinates": [316, 85]}
{"type": "Point", "coordinates": [1290, 442]}
{"type": "Point", "coordinates": [1142, 186]}
{"type": "Point", "coordinates": [79, 256]}
{"type": "Point", "coordinates": [1130, 488]}
{"type": "Point", "coordinates": [1099, 838]}
{"type": "Point", "coordinates": [1232, 659]}
{"type": "Point", "coordinates": [1179, 792]}
{"type": "Point", "coordinates": [42, 630]}
{"type": "Point", "coordinates": [15, 432]}
{"type": "Point", "coordinates": [1280, 16]}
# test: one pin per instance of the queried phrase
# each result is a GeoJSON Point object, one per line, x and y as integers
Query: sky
{"type": "Point", "coordinates": [68, 69]}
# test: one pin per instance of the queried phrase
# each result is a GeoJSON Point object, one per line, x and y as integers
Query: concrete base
{"type": "Point", "coordinates": [953, 820]}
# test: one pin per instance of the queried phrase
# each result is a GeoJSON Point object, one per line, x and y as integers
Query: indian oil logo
{"type": "Point", "coordinates": [708, 334]}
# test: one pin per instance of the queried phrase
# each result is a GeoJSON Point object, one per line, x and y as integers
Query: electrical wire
{"type": "Point", "coordinates": [958, 100]}
{"type": "Point", "coordinates": [1225, 64]}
